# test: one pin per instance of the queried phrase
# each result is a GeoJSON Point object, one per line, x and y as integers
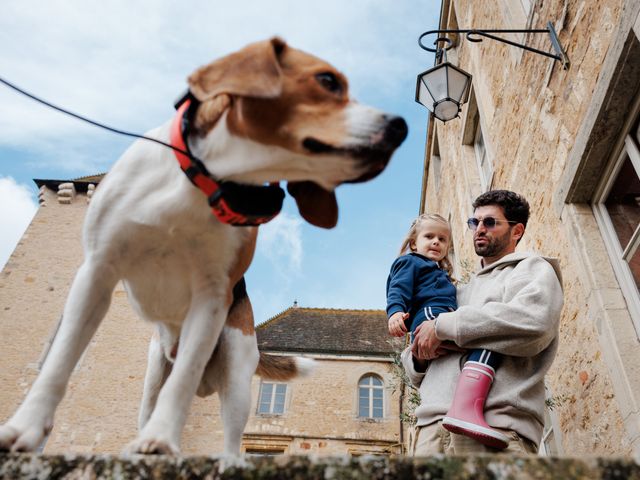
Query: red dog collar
{"type": "Point", "coordinates": [231, 203]}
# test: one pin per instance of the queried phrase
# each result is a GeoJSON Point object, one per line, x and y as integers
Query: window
{"type": "Point", "coordinates": [271, 400]}
{"type": "Point", "coordinates": [473, 137]}
{"type": "Point", "coordinates": [526, 6]}
{"type": "Point", "coordinates": [484, 164]}
{"type": "Point", "coordinates": [550, 444]}
{"type": "Point", "coordinates": [265, 444]}
{"type": "Point", "coordinates": [435, 160]}
{"type": "Point", "coordinates": [516, 14]}
{"type": "Point", "coordinates": [370, 397]}
{"type": "Point", "coordinates": [264, 452]}
{"type": "Point", "coordinates": [617, 209]}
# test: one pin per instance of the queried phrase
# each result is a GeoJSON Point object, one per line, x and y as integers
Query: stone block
{"type": "Point", "coordinates": [499, 467]}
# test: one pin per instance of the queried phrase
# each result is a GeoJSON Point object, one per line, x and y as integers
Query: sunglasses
{"type": "Point", "coordinates": [488, 222]}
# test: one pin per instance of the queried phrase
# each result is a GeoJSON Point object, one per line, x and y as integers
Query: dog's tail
{"type": "Point", "coordinates": [276, 367]}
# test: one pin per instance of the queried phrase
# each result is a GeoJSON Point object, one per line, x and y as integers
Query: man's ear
{"type": "Point", "coordinates": [517, 232]}
{"type": "Point", "coordinates": [317, 206]}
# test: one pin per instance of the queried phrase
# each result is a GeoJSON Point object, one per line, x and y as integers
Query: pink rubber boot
{"type": "Point", "coordinates": [466, 414]}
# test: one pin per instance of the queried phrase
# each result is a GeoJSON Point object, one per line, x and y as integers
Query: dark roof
{"type": "Point", "coordinates": [327, 330]}
{"type": "Point", "coordinates": [81, 183]}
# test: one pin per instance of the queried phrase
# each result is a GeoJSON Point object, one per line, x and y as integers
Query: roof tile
{"type": "Point", "coordinates": [329, 331]}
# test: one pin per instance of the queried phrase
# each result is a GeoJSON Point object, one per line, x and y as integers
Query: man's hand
{"type": "Point", "coordinates": [397, 328]}
{"type": "Point", "coordinates": [426, 346]}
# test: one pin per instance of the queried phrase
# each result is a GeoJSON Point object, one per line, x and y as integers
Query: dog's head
{"type": "Point", "coordinates": [289, 117]}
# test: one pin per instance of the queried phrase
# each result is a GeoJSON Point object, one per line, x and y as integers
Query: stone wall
{"type": "Point", "coordinates": [18, 467]}
{"type": "Point", "coordinates": [531, 111]}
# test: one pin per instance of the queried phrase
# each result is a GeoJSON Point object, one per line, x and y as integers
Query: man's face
{"type": "Point", "coordinates": [496, 242]}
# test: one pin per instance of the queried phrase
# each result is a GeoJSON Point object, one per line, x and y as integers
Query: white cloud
{"type": "Point", "coordinates": [98, 59]}
{"type": "Point", "coordinates": [280, 242]}
{"type": "Point", "coordinates": [17, 208]}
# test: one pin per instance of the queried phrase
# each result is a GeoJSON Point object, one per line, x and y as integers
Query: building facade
{"type": "Point", "coordinates": [347, 406]}
{"type": "Point", "coordinates": [568, 140]}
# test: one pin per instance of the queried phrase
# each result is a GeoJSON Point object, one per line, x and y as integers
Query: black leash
{"type": "Point", "coordinates": [93, 122]}
{"type": "Point", "coordinates": [232, 203]}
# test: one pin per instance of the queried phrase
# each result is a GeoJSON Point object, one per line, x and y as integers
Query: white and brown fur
{"type": "Point", "coordinates": [269, 113]}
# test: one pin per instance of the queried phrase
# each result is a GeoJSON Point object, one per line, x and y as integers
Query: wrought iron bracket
{"type": "Point", "coordinates": [474, 35]}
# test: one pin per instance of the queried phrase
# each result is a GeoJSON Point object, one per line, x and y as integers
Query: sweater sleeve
{"type": "Point", "coordinates": [415, 377]}
{"type": "Point", "coordinates": [400, 285]}
{"type": "Point", "coordinates": [521, 325]}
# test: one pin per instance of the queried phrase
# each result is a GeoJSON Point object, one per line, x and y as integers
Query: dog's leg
{"type": "Point", "coordinates": [240, 359]}
{"type": "Point", "coordinates": [158, 368]}
{"type": "Point", "coordinates": [198, 337]}
{"type": "Point", "coordinates": [86, 305]}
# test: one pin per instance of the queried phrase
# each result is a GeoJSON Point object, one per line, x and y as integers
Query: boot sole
{"type": "Point", "coordinates": [486, 436]}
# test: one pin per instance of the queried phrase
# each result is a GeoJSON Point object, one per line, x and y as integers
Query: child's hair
{"type": "Point", "coordinates": [445, 263]}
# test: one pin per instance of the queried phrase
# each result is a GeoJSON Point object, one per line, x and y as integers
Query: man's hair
{"type": "Point", "coordinates": [515, 207]}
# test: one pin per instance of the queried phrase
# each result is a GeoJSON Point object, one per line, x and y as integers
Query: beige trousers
{"type": "Point", "coordinates": [432, 439]}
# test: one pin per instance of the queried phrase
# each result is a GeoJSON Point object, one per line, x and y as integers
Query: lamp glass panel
{"type": "Point", "coordinates": [424, 96]}
{"type": "Point", "coordinates": [446, 110]}
{"type": "Point", "coordinates": [457, 84]}
{"type": "Point", "coordinates": [436, 81]}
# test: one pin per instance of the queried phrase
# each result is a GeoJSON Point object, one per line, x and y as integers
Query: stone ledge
{"type": "Point", "coordinates": [97, 467]}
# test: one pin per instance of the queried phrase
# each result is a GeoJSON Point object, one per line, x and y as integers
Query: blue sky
{"type": "Point", "coordinates": [123, 63]}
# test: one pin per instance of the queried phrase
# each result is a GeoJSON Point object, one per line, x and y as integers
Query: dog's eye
{"type": "Point", "coordinates": [329, 82]}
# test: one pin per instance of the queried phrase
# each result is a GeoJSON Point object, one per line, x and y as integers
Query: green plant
{"type": "Point", "coordinates": [555, 401]}
{"type": "Point", "coordinates": [466, 269]}
{"type": "Point", "coordinates": [400, 383]}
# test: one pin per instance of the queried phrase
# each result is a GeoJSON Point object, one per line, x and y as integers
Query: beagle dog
{"type": "Point", "coordinates": [266, 114]}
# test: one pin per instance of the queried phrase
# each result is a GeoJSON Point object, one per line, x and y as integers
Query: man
{"type": "Point", "coordinates": [512, 307]}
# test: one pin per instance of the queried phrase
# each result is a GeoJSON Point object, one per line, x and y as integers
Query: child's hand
{"type": "Point", "coordinates": [397, 328]}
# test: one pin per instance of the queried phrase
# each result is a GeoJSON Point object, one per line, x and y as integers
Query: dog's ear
{"type": "Point", "coordinates": [316, 205]}
{"type": "Point", "coordinates": [253, 71]}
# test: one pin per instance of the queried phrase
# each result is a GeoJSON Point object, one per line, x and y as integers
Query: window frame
{"type": "Point", "coordinates": [436, 161]}
{"type": "Point", "coordinates": [264, 452]}
{"type": "Point", "coordinates": [370, 388]}
{"type": "Point", "coordinates": [486, 178]}
{"type": "Point", "coordinates": [627, 147]}
{"type": "Point", "coordinates": [551, 431]}
{"type": "Point", "coordinates": [272, 403]}
{"type": "Point", "coordinates": [473, 124]}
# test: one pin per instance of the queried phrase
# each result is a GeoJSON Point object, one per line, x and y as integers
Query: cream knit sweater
{"type": "Point", "coordinates": [510, 307]}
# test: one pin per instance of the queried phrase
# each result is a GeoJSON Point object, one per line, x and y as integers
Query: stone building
{"type": "Point", "coordinates": [346, 406]}
{"type": "Point", "coordinates": [569, 140]}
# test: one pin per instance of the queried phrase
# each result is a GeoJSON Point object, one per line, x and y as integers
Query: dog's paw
{"type": "Point", "coordinates": [16, 439]}
{"type": "Point", "coordinates": [152, 446]}
{"type": "Point", "coordinates": [8, 436]}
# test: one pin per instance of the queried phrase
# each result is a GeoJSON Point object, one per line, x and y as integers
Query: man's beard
{"type": "Point", "coordinates": [494, 246]}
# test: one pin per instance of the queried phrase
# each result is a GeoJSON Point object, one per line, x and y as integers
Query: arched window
{"type": "Point", "coordinates": [370, 397]}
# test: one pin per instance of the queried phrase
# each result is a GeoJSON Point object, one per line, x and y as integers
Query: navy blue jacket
{"type": "Point", "coordinates": [416, 282]}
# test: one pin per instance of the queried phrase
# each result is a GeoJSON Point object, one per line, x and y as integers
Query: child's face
{"type": "Point", "coordinates": [432, 240]}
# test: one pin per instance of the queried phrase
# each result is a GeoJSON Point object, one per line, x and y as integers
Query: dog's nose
{"type": "Point", "coordinates": [396, 131]}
